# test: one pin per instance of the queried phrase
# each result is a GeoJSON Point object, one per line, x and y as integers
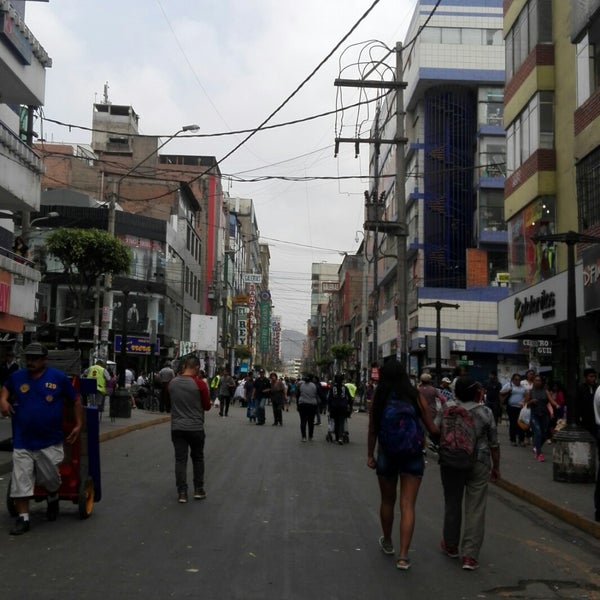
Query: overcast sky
{"type": "Point", "coordinates": [227, 65]}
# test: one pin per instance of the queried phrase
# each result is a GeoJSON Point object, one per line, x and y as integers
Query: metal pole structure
{"type": "Point", "coordinates": [402, 347]}
{"type": "Point", "coordinates": [114, 197]}
{"type": "Point", "coordinates": [438, 333]}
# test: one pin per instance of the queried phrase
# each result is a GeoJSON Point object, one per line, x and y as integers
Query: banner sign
{"type": "Point", "coordinates": [264, 336]}
{"type": "Point", "coordinates": [252, 277]}
{"type": "Point", "coordinates": [242, 326]}
{"type": "Point", "coordinates": [137, 345]}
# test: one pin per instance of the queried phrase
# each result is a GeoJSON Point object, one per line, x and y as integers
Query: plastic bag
{"type": "Point", "coordinates": [217, 403]}
{"type": "Point", "coordinates": [524, 420]}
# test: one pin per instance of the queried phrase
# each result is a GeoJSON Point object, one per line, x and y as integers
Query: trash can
{"type": "Point", "coordinates": [120, 404]}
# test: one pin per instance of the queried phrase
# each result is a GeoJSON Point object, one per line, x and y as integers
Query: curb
{"type": "Point", "coordinates": [110, 435]}
{"type": "Point", "coordinates": [564, 514]}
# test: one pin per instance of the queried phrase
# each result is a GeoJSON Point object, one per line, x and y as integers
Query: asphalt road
{"type": "Point", "coordinates": [283, 520]}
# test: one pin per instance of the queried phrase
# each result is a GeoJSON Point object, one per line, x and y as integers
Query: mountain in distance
{"type": "Point", "coordinates": [292, 343]}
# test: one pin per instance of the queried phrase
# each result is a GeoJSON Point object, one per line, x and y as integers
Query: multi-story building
{"type": "Point", "coordinates": [456, 238]}
{"type": "Point", "coordinates": [552, 116]}
{"type": "Point", "coordinates": [125, 170]}
{"type": "Point", "coordinates": [23, 64]}
{"type": "Point", "coordinates": [324, 283]}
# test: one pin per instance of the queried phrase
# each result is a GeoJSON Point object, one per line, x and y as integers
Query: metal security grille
{"type": "Point", "coordinates": [450, 128]}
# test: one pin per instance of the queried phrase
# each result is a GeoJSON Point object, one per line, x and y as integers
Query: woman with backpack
{"type": "Point", "coordinates": [338, 401]}
{"type": "Point", "coordinates": [395, 417]}
{"type": "Point", "coordinates": [469, 458]}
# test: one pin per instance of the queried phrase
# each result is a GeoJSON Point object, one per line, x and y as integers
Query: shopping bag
{"type": "Point", "coordinates": [524, 420]}
{"type": "Point", "coordinates": [217, 403]}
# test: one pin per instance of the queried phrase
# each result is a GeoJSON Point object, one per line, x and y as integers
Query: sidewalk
{"type": "Point", "coordinates": [522, 475]}
{"type": "Point", "coordinates": [533, 482]}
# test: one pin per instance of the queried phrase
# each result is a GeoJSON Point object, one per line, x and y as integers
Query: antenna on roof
{"type": "Point", "coordinates": [106, 101]}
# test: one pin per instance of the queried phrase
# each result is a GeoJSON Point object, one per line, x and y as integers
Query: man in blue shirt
{"type": "Point", "coordinates": [37, 395]}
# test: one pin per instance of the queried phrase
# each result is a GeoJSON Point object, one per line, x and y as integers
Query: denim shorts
{"type": "Point", "coordinates": [390, 468]}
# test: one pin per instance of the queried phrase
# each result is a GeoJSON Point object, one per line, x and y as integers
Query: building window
{"type": "Point", "coordinates": [491, 106]}
{"type": "Point", "coordinates": [588, 63]}
{"type": "Point", "coordinates": [531, 130]}
{"type": "Point", "coordinates": [492, 157]}
{"type": "Point", "coordinates": [588, 190]}
{"type": "Point", "coordinates": [491, 210]}
{"type": "Point", "coordinates": [533, 26]}
{"type": "Point", "coordinates": [529, 262]}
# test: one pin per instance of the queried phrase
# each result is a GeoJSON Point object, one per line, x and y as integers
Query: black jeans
{"type": "Point", "coordinates": [307, 416]}
{"type": "Point", "coordinates": [224, 404]}
{"type": "Point", "coordinates": [514, 431]}
{"type": "Point", "coordinates": [192, 441]}
{"type": "Point", "coordinates": [277, 414]}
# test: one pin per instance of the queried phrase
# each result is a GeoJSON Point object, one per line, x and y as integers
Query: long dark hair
{"type": "Point", "coordinates": [393, 378]}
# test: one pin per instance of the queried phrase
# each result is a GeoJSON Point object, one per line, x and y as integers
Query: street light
{"type": "Point", "coordinates": [567, 456]}
{"type": "Point", "coordinates": [116, 194]}
{"type": "Point", "coordinates": [438, 331]}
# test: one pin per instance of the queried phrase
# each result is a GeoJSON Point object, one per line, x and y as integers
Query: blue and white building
{"type": "Point", "coordinates": [455, 166]}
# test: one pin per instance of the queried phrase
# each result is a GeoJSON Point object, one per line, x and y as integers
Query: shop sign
{"type": "Point", "coordinates": [137, 345]}
{"type": "Point", "coordinates": [538, 307]}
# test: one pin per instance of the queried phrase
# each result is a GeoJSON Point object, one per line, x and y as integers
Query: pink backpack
{"type": "Point", "coordinates": [458, 437]}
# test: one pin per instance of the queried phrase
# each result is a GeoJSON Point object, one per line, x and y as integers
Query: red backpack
{"type": "Point", "coordinates": [458, 437]}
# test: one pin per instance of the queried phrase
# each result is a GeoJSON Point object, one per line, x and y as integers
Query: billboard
{"type": "Point", "coordinates": [204, 332]}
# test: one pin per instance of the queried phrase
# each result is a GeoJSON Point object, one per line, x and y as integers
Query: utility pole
{"type": "Point", "coordinates": [397, 227]}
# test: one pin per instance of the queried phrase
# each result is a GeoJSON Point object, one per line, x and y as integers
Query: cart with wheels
{"type": "Point", "coordinates": [80, 469]}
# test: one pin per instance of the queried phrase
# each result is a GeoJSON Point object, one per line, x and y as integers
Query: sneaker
{"type": "Point", "coordinates": [21, 527]}
{"type": "Point", "coordinates": [469, 563]}
{"type": "Point", "coordinates": [303, 439]}
{"type": "Point", "coordinates": [199, 494]}
{"type": "Point", "coordinates": [540, 457]}
{"type": "Point", "coordinates": [449, 550]}
{"type": "Point", "coordinates": [52, 510]}
{"type": "Point", "coordinates": [183, 497]}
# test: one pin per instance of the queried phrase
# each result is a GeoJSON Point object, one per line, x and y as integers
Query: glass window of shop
{"type": "Point", "coordinates": [147, 258]}
{"type": "Point", "coordinates": [531, 263]}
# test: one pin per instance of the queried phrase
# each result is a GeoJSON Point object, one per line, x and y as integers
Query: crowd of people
{"type": "Point", "coordinates": [461, 418]}
{"type": "Point", "coordinates": [458, 419]}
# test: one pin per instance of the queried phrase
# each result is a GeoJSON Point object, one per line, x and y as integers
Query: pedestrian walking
{"type": "Point", "coordinates": [308, 400]}
{"type": "Point", "coordinates": [165, 375]}
{"type": "Point", "coordinates": [596, 435]}
{"type": "Point", "coordinates": [98, 372]}
{"type": "Point", "coordinates": [260, 395]}
{"type": "Point", "coordinates": [226, 390]}
{"type": "Point", "coordinates": [190, 399]}
{"type": "Point", "coordinates": [278, 393]}
{"type": "Point", "coordinates": [513, 396]}
{"type": "Point", "coordinates": [38, 394]}
{"type": "Point", "coordinates": [395, 417]}
{"type": "Point", "coordinates": [492, 389]}
{"type": "Point", "coordinates": [537, 399]}
{"type": "Point", "coordinates": [470, 483]}
{"type": "Point", "coordinates": [338, 402]}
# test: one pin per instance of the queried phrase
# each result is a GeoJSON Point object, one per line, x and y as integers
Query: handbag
{"type": "Point", "coordinates": [524, 419]}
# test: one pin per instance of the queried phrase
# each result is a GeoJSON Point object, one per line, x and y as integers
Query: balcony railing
{"type": "Point", "coordinates": [19, 149]}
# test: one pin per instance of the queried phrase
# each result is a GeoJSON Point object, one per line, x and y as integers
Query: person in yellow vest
{"type": "Point", "coordinates": [98, 372]}
{"type": "Point", "coordinates": [352, 392]}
